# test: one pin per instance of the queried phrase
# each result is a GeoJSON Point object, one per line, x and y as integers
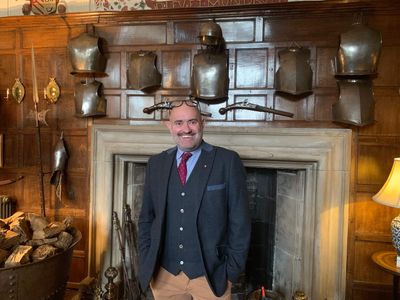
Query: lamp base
{"type": "Point", "coordinates": [395, 228]}
{"type": "Point", "coordinates": [398, 261]}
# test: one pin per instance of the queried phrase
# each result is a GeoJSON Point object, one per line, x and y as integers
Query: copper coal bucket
{"type": "Point", "coordinates": [44, 279]}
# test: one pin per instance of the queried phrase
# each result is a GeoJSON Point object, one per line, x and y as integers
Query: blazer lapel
{"type": "Point", "coordinates": [204, 164]}
{"type": "Point", "coordinates": [165, 170]}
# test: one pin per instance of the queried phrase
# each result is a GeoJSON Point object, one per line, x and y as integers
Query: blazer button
{"type": "Point", "coordinates": [181, 262]}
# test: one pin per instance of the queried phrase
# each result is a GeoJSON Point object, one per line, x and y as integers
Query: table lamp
{"type": "Point", "coordinates": [389, 195]}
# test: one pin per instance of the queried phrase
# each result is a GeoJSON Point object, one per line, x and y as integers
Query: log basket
{"type": "Point", "coordinates": [44, 279]}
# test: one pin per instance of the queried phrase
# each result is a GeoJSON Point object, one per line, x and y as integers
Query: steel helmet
{"type": "Point", "coordinates": [210, 34]}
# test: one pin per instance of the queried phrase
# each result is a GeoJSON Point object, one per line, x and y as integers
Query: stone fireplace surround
{"type": "Point", "coordinates": [324, 154]}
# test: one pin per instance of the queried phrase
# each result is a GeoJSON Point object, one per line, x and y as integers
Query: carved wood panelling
{"type": "Point", "coordinates": [366, 222]}
{"type": "Point", "coordinates": [254, 35]}
{"type": "Point", "coordinates": [136, 104]}
{"type": "Point", "coordinates": [138, 34]}
{"type": "Point", "coordinates": [176, 69]}
{"type": "Point", "coordinates": [113, 71]}
{"type": "Point", "coordinates": [8, 40]}
{"type": "Point", "coordinates": [251, 68]}
{"type": "Point", "coordinates": [7, 72]}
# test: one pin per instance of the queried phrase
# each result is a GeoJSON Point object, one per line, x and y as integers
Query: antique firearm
{"type": "Point", "coordinates": [255, 107]}
{"type": "Point", "coordinates": [166, 105]}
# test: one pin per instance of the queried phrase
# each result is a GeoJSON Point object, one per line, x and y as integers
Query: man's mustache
{"type": "Point", "coordinates": [191, 133]}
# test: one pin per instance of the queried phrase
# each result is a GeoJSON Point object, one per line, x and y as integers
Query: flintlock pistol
{"type": "Point", "coordinates": [255, 107]}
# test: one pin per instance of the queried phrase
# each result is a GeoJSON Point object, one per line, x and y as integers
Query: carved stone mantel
{"type": "Point", "coordinates": [324, 153]}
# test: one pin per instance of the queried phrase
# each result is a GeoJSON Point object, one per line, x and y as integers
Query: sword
{"type": "Point", "coordinates": [255, 107]}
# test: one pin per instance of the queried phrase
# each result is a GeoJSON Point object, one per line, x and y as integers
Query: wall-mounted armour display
{"type": "Point", "coordinates": [356, 102]}
{"type": "Point", "coordinates": [88, 60]}
{"type": "Point", "coordinates": [86, 55]}
{"type": "Point", "coordinates": [359, 51]}
{"type": "Point", "coordinates": [89, 101]}
{"type": "Point", "coordinates": [355, 66]}
{"type": "Point", "coordinates": [210, 79]}
{"type": "Point", "coordinates": [142, 71]}
{"type": "Point", "coordinates": [294, 75]}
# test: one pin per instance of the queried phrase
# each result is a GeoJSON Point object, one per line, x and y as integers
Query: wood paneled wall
{"type": "Point", "coordinates": [254, 35]}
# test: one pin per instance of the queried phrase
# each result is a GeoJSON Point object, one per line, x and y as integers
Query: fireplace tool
{"type": "Point", "coordinates": [255, 107]}
{"type": "Point", "coordinates": [130, 236]}
{"type": "Point", "coordinates": [131, 292]}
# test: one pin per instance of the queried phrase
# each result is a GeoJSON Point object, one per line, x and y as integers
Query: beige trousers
{"type": "Point", "coordinates": [167, 286]}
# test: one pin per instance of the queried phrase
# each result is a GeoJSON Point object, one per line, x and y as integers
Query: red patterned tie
{"type": "Point", "coordinates": [182, 170]}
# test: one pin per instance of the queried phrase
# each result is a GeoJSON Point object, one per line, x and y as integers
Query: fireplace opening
{"type": "Point", "coordinates": [261, 186]}
{"type": "Point", "coordinates": [269, 194]}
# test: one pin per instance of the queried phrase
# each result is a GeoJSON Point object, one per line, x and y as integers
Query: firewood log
{"type": "Point", "coordinates": [20, 256]}
{"type": "Point", "coordinates": [40, 242]}
{"type": "Point", "coordinates": [64, 240]}
{"type": "Point", "coordinates": [2, 235]}
{"type": "Point", "coordinates": [11, 239]}
{"type": "Point", "coordinates": [53, 229]}
{"type": "Point", "coordinates": [38, 235]}
{"type": "Point", "coordinates": [37, 222]}
{"type": "Point", "coordinates": [21, 226]}
{"type": "Point", "coordinates": [13, 217]}
{"type": "Point", "coordinates": [3, 255]}
{"type": "Point", "coordinates": [43, 252]}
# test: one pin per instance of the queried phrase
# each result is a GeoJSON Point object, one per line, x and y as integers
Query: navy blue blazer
{"type": "Point", "coordinates": [223, 221]}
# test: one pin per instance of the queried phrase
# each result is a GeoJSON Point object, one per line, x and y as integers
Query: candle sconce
{"type": "Point", "coordinates": [6, 97]}
{"type": "Point", "coordinates": [17, 91]}
{"type": "Point", "coordinates": [52, 91]}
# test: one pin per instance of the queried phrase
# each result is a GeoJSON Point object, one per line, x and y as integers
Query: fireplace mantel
{"type": "Point", "coordinates": [325, 152]}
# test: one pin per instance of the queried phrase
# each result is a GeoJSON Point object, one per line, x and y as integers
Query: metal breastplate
{"type": "Point", "coordinates": [294, 75]}
{"type": "Point", "coordinates": [210, 77]}
{"type": "Point", "coordinates": [88, 101]}
{"type": "Point", "coordinates": [356, 102]}
{"type": "Point", "coordinates": [142, 71]}
{"type": "Point", "coordinates": [86, 55]}
{"type": "Point", "coordinates": [359, 51]}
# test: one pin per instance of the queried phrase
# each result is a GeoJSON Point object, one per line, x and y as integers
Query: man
{"type": "Point", "coordinates": [194, 234]}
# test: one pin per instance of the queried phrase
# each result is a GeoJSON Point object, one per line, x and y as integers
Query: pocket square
{"type": "Point", "coordinates": [215, 187]}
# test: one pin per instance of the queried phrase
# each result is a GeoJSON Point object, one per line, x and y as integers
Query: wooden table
{"type": "Point", "coordinates": [386, 260]}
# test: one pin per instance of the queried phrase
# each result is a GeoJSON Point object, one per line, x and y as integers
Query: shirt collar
{"type": "Point", "coordinates": [197, 151]}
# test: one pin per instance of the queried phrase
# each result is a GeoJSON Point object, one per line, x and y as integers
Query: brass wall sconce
{"type": "Point", "coordinates": [18, 91]}
{"type": "Point", "coordinates": [52, 91]}
{"type": "Point", "coordinates": [5, 98]}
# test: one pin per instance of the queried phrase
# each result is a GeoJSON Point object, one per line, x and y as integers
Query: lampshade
{"type": "Point", "coordinates": [390, 192]}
